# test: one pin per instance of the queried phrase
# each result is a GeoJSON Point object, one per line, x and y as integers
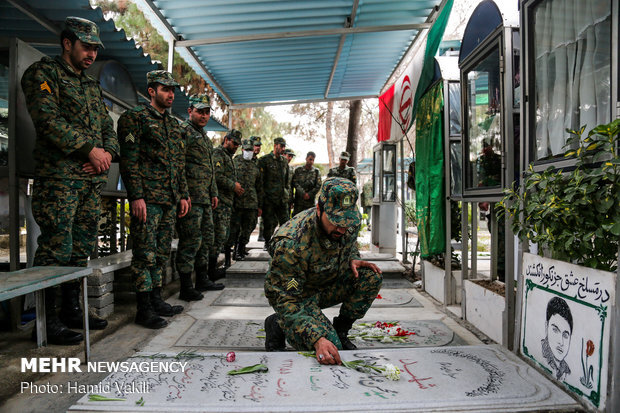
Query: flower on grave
{"type": "Point", "coordinates": [230, 356]}
{"type": "Point", "coordinates": [391, 372]}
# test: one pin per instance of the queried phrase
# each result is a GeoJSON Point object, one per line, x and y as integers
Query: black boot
{"type": "Point", "coordinates": [71, 312]}
{"type": "Point", "coordinates": [244, 251]}
{"type": "Point", "coordinates": [203, 283]}
{"type": "Point", "coordinates": [342, 326]}
{"type": "Point", "coordinates": [146, 316]}
{"type": "Point", "coordinates": [214, 272]}
{"type": "Point", "coordinates": [238, 255]}
{"type": "Point", "coordinates": [57, 332]}
{"type": "Point", "coordinates": [188, 293]}
{"type": "Point", "coordinates": [275, 339]}
{"type": "Point", "coordinates": [161, 307]}
{"type": "Point", "coordinates": [227, 253]}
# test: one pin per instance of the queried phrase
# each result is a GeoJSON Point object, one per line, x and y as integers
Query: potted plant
{"type": "Point", "coordinates": [574, 214]}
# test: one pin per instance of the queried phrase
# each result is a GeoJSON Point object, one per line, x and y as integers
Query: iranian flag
{"type": "Point", "coordinates": [398, 104]}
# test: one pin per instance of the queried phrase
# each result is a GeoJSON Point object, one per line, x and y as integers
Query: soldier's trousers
{"type": "Point", "coordinates": [356, 296]}
{"type": "Point", "coordinates": [195, 238]}
{"type": "Point", "coordinates": [274, 214]}
{"type": "Point", "coordinates": [242, 224]}
{"type": "Point", "coordinates": [221, 223]}
{"type": "Point", "coordinates": [151, 245]}
{"type": "Point", "coordinates": [67, 212]}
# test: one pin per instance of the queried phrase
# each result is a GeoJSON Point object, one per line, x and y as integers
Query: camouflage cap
{"type": "Point", "coordinates": [246, 145]}
{"type": "Point", "coordinates": [161, 76]}
{"type": "Point", "coordinates": [289, 151]}
{"type": "Point", "coordinates": [256, 140]}
{"type": "Point", "coordinates": [234, 135]}
{"type": "Point", "coordinates": [85, 30]}
{"type": "Point", "coordinates": [345, 155]}
{"type": "Point", "coordinates": [339, 197]}
{"type": "Point", "coordinates": [279, 141]}
{"type": "Point", "coordinates": [200, 101]}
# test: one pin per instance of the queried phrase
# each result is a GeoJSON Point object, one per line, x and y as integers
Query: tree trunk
{"type": "Point", "coordinates": [328, 133]}
{"type": "Point", "coordinates": [355, 112]}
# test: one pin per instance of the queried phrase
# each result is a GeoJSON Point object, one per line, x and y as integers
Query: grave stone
{"type": "Point", "coordinates": [473, 378]}
{"type": "Point", "coordinates": [258, 269]}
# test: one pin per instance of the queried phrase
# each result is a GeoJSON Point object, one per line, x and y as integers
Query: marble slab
{"type": "Point", "coordinates": [258, 254]}
{"type": "Point", "coordinates": [255, 297]}
{"type": "Point", "coordinates": [249, 335]}
{"type": "Point", "coordinates": [258, 269]}
{"type": "Point", "coordinates": [473, 378]}
{"type": "Point", "coordinates": [240, 282]}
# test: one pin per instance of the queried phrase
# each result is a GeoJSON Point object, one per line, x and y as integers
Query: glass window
{"type": "Point", "coordinates": [454, 89]}
{"type": "Point", "coordinates": [483, 163]}
{"type": "Point", "coordinates": [516, 68]}
{"type": "Point", "coordinates": [376, 186]}
{"type": "Point", "coordinates": [389, 172]}
{"type": "Point", "coordinates": [572, 52]}
{"type": "Point", "coordinates": [4, 115]}
{"type": "Point", "coordinates": [455, 168]}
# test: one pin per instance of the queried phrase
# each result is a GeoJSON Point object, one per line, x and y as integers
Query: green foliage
{"type": "Point", "coordinates": [574, 214]}
{"type": "Point", "coordinates": [259, 122]}
{"type": "Point", "coordinates": [410, 213]}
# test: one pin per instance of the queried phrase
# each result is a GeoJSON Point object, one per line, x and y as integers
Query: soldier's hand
{"type": "Point", "coordinates": [100, 159]}
{"type": "Point", "coordinates": [326, 352]}
{"type": "Point", "coordinates": [89, 168]}
{"type": "Point", "coordinates": [138, 209]}
{"type": "Point", "coordinates": [214, 202]}
{"type": "Point", "coordinates": [184, 206]}
{"type": "Point", "coordinates": [355, 264]}
{"type": "Point", "coordinates": [238, 189]}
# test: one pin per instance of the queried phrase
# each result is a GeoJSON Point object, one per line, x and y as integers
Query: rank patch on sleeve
{"type": "Point", "coordinates": [218, 164]}
{"type": "Point", "coordinates": [293, 284]}
{"type": "Point", "coordinates": [130, 138]}
{"type": "Point", "coordinates": [45, 86]}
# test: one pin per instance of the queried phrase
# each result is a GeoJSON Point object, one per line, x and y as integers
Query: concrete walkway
{"type": "Point", "coordinates": [444, 366]}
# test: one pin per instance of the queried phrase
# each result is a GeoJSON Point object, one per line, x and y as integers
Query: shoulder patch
{"type": "Point", "coordinates": [218, 164]}
{"type": "Point", "coordinates": [45, 86]}
{"type": "Point", "coordinates": [130, 138]}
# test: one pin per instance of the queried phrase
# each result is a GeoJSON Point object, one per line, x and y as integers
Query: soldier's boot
{"type": "Point", "coordinates": [227, 254]}
{"type": "Point", "coordinates": [342, 325]}
{"type": "Point", "coordinates": [275, 340]}
{"type": "Point", "coordinates": [188, 293]}
{"type": "Point", "coordinates": [146, 316]}
{"type": "Point", "coordinates": [244, 251]}
{"type": "Point", "coordinates": [71, 312]}
{"type": "Point", "coordinates": [214, 272]}
{"type": "Point", "coordinates": [238, 256]}
{"type": "Point", "coordinates": [161, 307]}
{"type": "Point", "coordinates": [57, 332]}
{"type": "Point", "coordinates": [203, 283]}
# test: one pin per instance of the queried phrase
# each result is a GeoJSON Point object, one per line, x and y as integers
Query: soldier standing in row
{"type": "Point", "coordinates": [227, 186]}
{"type": "Point", "coordinates": [306, 183]}
{"type": "Point", "coordinates": [74, 148]}
{"type": "Point", "coordinates": [274, 170]}
{"type": "Point", "coordinates": [246, 210]}
{"type": "Point", "coordinates": [342, 170]}
{"type": "Point", "coordinates": [315, 264]}
{"type": "Point", "coordinates": [290, 154]}
{"type": "Point", "coordinates": [196, 228]}
{"type": "Point", "coordinates": [153, 170]}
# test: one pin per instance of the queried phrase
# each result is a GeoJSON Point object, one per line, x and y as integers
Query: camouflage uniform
{"type": "Point", "coordinates": [153, 169]}
{"type": "Point", "coordinates": [308, 271]}
{"type": "Point", "coordinates": [348, 173]}
{"type": "Point", "coordinates": [70, 119]}
{"type": "Point", "coordinates": [276, 195]}
{"type": "Point", "coordinates": [196, 228]}
{"type": "Point", "coordinates": [245, 215]}
{"type": "Point", "coordinates": [305, 181]}
{"type": "Point", "coordinates": [225, 176]}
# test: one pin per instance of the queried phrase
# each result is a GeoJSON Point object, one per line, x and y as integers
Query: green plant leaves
{"type": "Point", "coordinates": [257, 368]}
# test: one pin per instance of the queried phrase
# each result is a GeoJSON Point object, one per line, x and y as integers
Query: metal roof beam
{"type": "Point", "coordinates": [295, 102]}
{"type": "Point", "coordinates": [35, 15]}
{"type": "Point", "coordinates": [347, 24]}
{"type": "Point", "coordinates": [303, 33]}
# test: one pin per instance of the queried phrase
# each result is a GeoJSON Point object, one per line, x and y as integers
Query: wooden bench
{"type": "Point", "coordinates": [36, 280]}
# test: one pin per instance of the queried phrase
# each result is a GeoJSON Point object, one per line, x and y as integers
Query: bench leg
{"type": "Point", "coordinates": [85, 317]}
{"type": "Point", "coordinates": [39, 297]}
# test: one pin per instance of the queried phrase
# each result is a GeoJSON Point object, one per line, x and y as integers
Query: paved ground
{"type": "Point", "coordinates": [205, 389]}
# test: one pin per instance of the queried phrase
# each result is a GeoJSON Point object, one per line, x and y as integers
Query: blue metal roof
{"type": "Point", "coordinates": [19, 18]}
{"type": "Point", "coordinates": [262, 51]}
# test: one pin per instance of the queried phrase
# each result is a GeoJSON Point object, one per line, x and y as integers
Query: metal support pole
{"type": "Point", "coordinates": [171, 42]}
{"type": "Point", "coordinates": [403, 225]}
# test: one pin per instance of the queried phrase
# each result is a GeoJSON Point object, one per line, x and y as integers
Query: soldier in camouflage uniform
{"type": "Point", "coordinates": [290, 154]}
{"type": "Point", "coordinates": [74, 147]}
{"type": "Point", "coordinates": [342, 170]}
{"type": "Point", "coordinates": [228, 186]}
{"type": "Point", "coordinates": [153, 170]}
{"type": "Point", "coordinates": [246, 211]}
{"type": "Point", "coordinates": [315, 264]}
{"type": "Point", "coordinates": [196, 228]}
{"type": "Point", "coordinates": [274, 170]}
{"type": "Point", "coordinates": [306, 183]}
